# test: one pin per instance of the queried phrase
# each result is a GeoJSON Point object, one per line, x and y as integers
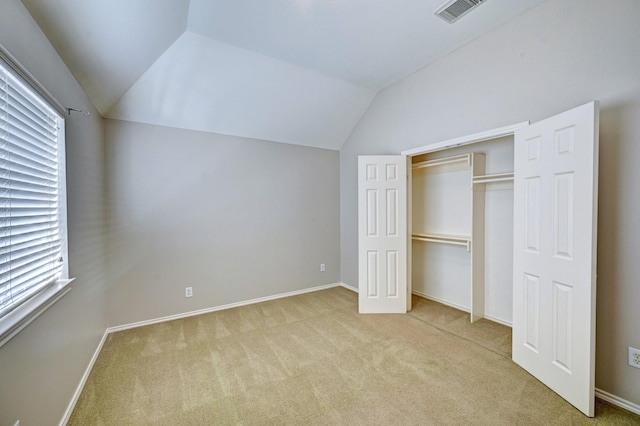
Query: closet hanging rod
{"type": "Point", "coordinates": [444, 239]}
{"type": "Point", "coordinates": [497, 177]}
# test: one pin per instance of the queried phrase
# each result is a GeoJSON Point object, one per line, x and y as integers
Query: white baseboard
{"type": "Point", "coordinates": [219, 308]}
{"type": "Point", "coordinates": [616, 400]}
{"type": "Point", "coordinates": [498, 320]}
{"type": "Point", "coordinates": [442, 302]}
{"type": "Point", "coordinates": [462, 308]}
{"type": "Point", "coordinates": [83, 380]}
{"type": "Point", "coordinates": [348, 287]}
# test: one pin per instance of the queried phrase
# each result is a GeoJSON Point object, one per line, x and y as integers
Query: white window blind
{"type": "Point", "coordinates": [32, 222]}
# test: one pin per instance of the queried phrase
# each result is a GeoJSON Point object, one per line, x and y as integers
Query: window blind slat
{"type": "Point", "coordinates": [11, 167]}
{"type": "Point", "coordinates": [15, 96]}
{"type": "Point", "coordinates": [19, 137]}
{"type": "Point", "coordinates": [28, 228]}
{"type": "Point", "coordinates": [13, 129]}
{"type": "Point", "coordinates": [28, 192]}
{"type": "Point", "coordinates": [27, 149]}
{"type": "Point", "coordinates": [18, 178]}
{"type": "Point", "coordinates": [20, 185]}
{"type": "Point", "coordinates": [21, 117]}
{"type": "Point", "coordinates": [21, 284]}
{"type": "Point", "coordinates": [18, 95]}
{"type": "Point", "coordinates": [16, 194]}
{"type": "Point", "coordinates": [11, 125]}
{"type": "Point", "coordinates": [27, 245]}
{"type": "Point", "coordinates": [23, 238]}
{"type": "Point", "coordinates": [17, 165]}
{"type": "Point", "coordinates": [39, 279]}
{"type": "Point", "coordinates": [23, 291]}
{"type": "Point", "coordinates": [26, 203]}
{"type": "Point", "coordinates": [10, 132]}
{"type": "Point", "coordinates": [22, 256]}
{"type": "Point", "coordinates": [6, 214]}
{"type": "Point", "coordinates": [29, 211]}
{"type": "Point", "coordinates": [28, 250]}
{"type": "Point", "coordinates": [18, 233]}
{"type": "Point", "coordinates": [19, 157]}
{"type": "Point", "coordinates": [29, 263]}
{"type": "Point", "coordinates": [28, 268]}
{"type": "Point", "coordinates": [43, 125]}
{"type": "Point", "coordinates": [25, 220]}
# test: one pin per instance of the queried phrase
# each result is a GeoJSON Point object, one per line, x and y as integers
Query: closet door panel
{"type": "Point", "coordinates": [555, 209]}
{"type": "Point", "coordinates": [382, 234]}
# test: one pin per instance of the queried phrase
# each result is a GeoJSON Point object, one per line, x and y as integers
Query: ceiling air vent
{"type": "Point", "coordinates": [453, 10]}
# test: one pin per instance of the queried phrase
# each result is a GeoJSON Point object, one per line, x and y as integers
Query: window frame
{"type": "Point", "coordinates": [25, 312]}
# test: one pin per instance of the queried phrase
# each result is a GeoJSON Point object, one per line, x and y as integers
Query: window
{"type": "Point", "coordinates": [33, 246]}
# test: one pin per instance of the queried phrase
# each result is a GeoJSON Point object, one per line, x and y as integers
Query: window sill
{"type": "Point", "coordinates": [19, 318]}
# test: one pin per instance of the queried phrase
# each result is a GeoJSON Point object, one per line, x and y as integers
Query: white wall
{"type": "Point", "coordinates": [41, 367]}
{"type": "Point", "coordinates": [234, 218]}
{"type": "Point", "coordinates": [561, 54]}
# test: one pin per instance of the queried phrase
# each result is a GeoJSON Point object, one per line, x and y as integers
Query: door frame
{"type": "Point", "coordinates": [467, 140]}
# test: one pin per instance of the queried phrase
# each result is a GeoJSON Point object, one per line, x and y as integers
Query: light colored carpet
{"type": "Point", "coordinates": [312, 360]}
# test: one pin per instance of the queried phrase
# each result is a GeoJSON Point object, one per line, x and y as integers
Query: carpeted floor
{"type": "Point", "coordinates": [312, 360]}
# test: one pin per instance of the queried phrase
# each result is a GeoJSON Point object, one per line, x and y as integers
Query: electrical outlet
{"type": "Point", "coordinates": [322, 267]}
{"type": "Point", "coordinates": [634, 357]}
{"type": "Point", "coordinates": [188, 291]}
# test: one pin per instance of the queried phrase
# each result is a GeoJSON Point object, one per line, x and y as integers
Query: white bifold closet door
{"type": "Point", "coordinates": [382, 234]}
{"type": "Point", "coordinates": [555, 219]}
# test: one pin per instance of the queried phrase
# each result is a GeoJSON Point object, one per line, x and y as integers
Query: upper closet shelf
{"type": "Point", "coordinates": [464, 158]}
{"type": "Point", "coordinates": [498, 177]}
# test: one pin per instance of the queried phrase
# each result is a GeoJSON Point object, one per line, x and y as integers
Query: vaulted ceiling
{"type": "Point", "coordinates": [293, 71]}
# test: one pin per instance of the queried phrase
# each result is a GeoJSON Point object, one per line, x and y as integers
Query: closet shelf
{"type": "Point", "coordinates": [465, 158]}
{"type": "Point", "coordinates": [498, 177]}
{"type": "Point", "coordinates": [456, 240]}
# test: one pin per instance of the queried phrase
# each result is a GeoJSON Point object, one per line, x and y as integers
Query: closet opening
{"type": "Point", "coordinates": [461, 227]}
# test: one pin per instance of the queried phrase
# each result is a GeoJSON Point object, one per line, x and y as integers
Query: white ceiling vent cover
{"type": "Point", "coordinates": [453, 10]}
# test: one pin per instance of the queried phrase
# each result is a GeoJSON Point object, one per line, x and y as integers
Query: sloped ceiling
{"type": "Point", "coordinates": [293, 71]}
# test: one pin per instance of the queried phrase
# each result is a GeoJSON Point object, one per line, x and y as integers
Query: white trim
{"type": "Point", "coordinates": [24, 314]}
{"type": "Point", "coordinates": [616, 400]}
{"type": "Point", "coordinates": [62, 197]}
{"type": "Point", "coordinates": [466, 140]}
{"type": "Point", "coordinates": [26, 76]}
{"type": "Point", "coordinates": [348, 287]}
{"type": "Point", "coordinates": [498, 320]}
{"type": "Point", "coordinates": [83, 380]}
{"type": "Point", "coordinates": [219, 308]}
